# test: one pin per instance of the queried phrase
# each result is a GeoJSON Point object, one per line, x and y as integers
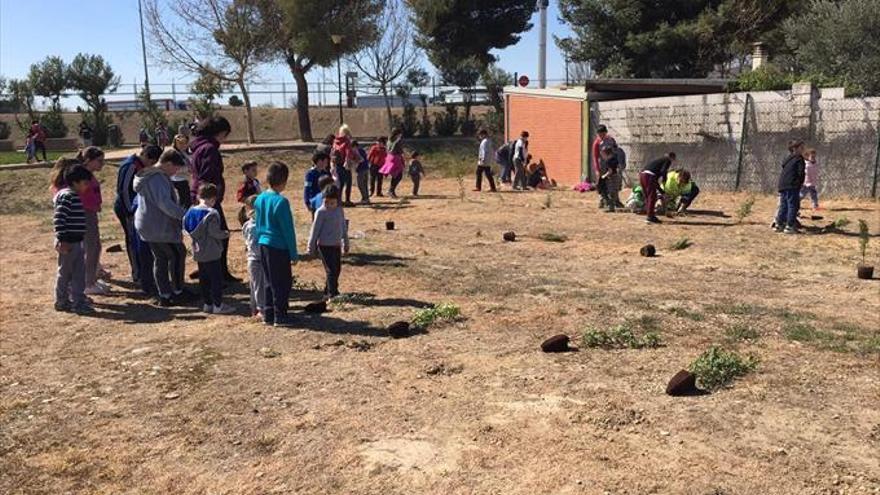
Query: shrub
{"type": "Point", "coordinates": [53, 121]}
{"type": "Point", "coordinates": [447, 123]}
{"type": "Point", "coordinates": [716, 367]}
{"type": "Point", "coordinates": [841, 222]}
{"type": "Point", "coordinates": [619, 337]}
{"type": "Point", "coordinates": [768, 77]}
{"type": "Point", "coordinates": [745, 209]}
{"type": "Point", "coordinates": [494, 121]}
{"type": "Point", "coordinates": [440, 312]}
{"type": "Point", "coordinates": [468, 127]}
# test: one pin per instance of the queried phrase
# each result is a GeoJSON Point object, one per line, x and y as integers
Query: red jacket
{"type": "Point", "coordinates": [377, 154]}
{"type": "Point", "coordinates": [38, 133]}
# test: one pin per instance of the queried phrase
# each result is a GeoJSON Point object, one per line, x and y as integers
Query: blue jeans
{"type": "Point", "coordinates": [506, 170]}
{"type": "Point", "coordinates": [789, 204]}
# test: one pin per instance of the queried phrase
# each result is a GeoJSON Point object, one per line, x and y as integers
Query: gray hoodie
{"type": "Point", "coordinates": [203, 225]}
{"type": "Point", "coordinates": [158, 214]}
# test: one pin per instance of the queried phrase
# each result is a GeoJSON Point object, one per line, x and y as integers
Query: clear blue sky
{"type": "Point", "coordinates": [30, 30]}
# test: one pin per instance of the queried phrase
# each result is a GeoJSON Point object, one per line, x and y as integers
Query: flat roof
{"type": "Point", "coordinates": [658, 87]}
{"type": "Point", "coordinates": [574, 92]}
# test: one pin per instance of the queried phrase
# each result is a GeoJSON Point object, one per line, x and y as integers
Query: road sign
{"type": "Point", "coordinates": [523, 81]}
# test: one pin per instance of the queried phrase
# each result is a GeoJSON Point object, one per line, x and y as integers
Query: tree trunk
{"type": "Point", "coordinates": [387, 107]}
{"type": "Point", "coordinates": [302, 102]}
{"type": "Point", "coordinates": [248, 110]}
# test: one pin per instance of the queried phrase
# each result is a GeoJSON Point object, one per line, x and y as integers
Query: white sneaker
{"type": "Point", "coordinates": [207, 308]}
{"type": "Point", "coordinates": [224, 309]}
{"type": "Point", "coordinates": [104, 285]}
{"type": "Point", "coordinates": [96, 290]}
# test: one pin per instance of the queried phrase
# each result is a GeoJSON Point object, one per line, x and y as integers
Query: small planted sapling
{"type": "Point", "coordinates": [865, 271]}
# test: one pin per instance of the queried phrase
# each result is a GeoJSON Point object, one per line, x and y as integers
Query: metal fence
{"type": "Point", "coordinates": [740, 144]}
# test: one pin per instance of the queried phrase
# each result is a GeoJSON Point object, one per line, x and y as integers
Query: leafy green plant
{"type": "Point", "coordinates": [619, 337]}
{"type": "Point", "coordinates": [716, 367]}
{"type": "Point", "coordinates": [440, 312]}
{"type": "Point", "coordinates": [745, 209]}
{"type": "Point", "coordinates": [680, 244]}
{"type": "Point", "coordinates": [864, 237]}
{"type": "Point", "coordinates": [553, 237]}
{"type": "Point", "coordinates": [768, 77]}
{"type": "Point", "coordinates": [841, 222]}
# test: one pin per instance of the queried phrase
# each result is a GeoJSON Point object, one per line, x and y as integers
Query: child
{"type": "Point", "coordinates": [70, 228]}
{"type": "Point", "coordinates": [376, 157]}
{"type": "Point", "coordinates": [202, 222]}
{"type": "Point", "coordinates": [636, 200]}
{"type": "Point", "coordinates": [363, 173]}
{"type": "Point", "coordinates": [329, 237]}
{"type": "Point", "coordinates": [250, 186]}
{"type": "Point", "coordinates": [483, 165]}
{"type": "Point", "coordinates": [318, 200]}
{"type": "Point", "coordinates": [255, 266]}
{"type": "Point", "coordinates": [393, 167]}
{"type": "Point", "coordinates": [791, 179]}
{"type": "Point", "coordinates": [652, 175]}
{"type": "Point", "coordinates": [92, 158]}
{"type": "Point", "coordinates": [811, 182]}
{"type": "Point", "coordinates": [277, 240]}
{"type": "Point", "coordinates": [678, 185]}
{"type": "Point", "coordinates": [180, 180]}
{"type": "Point", "coordinates": [608, 170]}
{"type": "Point", "coordinates": [416, 171]}
{"type": "Point", "coordinates": [320, 164]}
{"type": "Point", "coordinates": [346, 160]}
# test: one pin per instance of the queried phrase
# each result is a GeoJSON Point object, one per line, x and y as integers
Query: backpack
{"type": "Point", "coordinates": [504, 154]}
{"type": "Point", "coordinates": [621, 157]}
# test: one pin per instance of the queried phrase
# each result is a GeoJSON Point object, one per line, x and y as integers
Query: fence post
{"type": "Point", "coordinates": [742, 142]}
{"type": "Point", "coordinates": [283, 94]}
{"type": "Point", "coordinates": [876, 164]}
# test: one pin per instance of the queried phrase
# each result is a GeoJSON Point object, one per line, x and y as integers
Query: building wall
{"type": "Point", "coordinates": [555, 130]}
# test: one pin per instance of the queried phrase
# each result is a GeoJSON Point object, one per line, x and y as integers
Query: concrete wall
{"type": "Point", "coordinates": [271, 124]}
{"type": "Point", "coordinates": [555, 129]}
{"type": "Point", "coordinates": [706, 132]}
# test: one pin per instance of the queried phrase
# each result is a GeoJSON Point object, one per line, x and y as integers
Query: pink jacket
{"type": "Point", "coordinates": [393, 165]}
{"type": "Point", "coordinates": [812, 174]}
{"type": "Point", "coordinates": [91, 198]}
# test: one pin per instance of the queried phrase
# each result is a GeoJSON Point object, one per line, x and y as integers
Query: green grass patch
{"type": "Point", "coordinates": [619, 337]}
{"type": "Point", "coordinates": [14, 157]}
{"type": "Point", "coordinates": [741, 332]}
{"type": "Point", "coordinates": [686, 313]}
{"type": "Point", "coordinates": [440, 312]}
{"type": "Point", "coordinates": [717, 368]}
{"type": "Point", "coordinates": [841, 337]}
{"type": "Point", "coordinates": [552, 237]}
{"type": "Point", "coordinates": [681, 244]}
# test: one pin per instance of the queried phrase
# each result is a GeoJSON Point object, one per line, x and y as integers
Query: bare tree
{"type": "Point", "coordinates": [393, 54]}
{"type": "Point", "coordinates": [224, 38]}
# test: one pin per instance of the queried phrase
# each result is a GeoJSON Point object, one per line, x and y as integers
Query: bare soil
{"type": "Point", "coordinates": [143, 400]}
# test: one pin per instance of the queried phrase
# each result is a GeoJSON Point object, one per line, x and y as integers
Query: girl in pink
{"type": "Point", "coordinates": [93, 160]}
{"type": "Point", "coordinates": [811, 181]}
{"type": "Point", "coordinates": [394, 167]}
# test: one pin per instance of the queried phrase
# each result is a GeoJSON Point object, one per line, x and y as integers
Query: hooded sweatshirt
{"type": "Point", "coordinates": [158, 214]}
{"type": "Point", "coordinates": [203, 225]}
{"type": "Point", "coordinates": [792, 176]}
{"type": "Point", "coordinates": [124, 205]}
{"type": "Point", "coordinates": [207, 166]}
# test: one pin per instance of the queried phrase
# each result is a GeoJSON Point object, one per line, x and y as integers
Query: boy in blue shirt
{"type": "Point", "coordinates": [277, 240]}
{"type": "Point", "coordinates": [320, 168]}
{"type": "Point", "coordinates": [318, 200]}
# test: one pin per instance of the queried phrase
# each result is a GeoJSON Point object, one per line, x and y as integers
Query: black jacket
{"type": "Point", "coordinates": [792, 176]}
{"type": "Point", "coordinates": [659, 168]}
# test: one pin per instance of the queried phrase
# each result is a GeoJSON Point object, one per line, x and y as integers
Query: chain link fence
{"type": "Point", "coordinates": [738, 141]}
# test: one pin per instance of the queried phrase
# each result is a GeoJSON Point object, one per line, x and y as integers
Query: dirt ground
{"type": "Point", "coordinates": [143, 400]}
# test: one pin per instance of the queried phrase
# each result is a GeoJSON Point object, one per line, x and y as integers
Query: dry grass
{"type": "Point", "coordinates": [147, 400]}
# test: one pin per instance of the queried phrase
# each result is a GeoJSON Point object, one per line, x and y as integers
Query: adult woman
{"type": "Point", "coordinates": [207, 167]}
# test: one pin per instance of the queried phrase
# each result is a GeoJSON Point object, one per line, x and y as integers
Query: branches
{"type": "Point", "coordinates": [394, 53]}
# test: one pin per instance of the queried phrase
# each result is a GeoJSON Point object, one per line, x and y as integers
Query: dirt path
{"type": "Point", "coordinates": [146, 400]}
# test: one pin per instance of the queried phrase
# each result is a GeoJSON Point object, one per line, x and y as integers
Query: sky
{"type": "Point", "coordinates": [30, 30]}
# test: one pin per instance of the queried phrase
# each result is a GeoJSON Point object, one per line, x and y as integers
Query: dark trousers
{"type": "Point", "coordinates": [649, 187]}
{"type": "Point", "coordinates": [688, 198]}
{"type": "Point", "coordinates": [127, 224]}
{"type": "Point", "coordinates": [224, 263]}
{"type": "Point", "coordinates": [40, 146]}
{"type": "Point", "coordinates": [211, 282]}
{"type": "Point", "coordinates": [169, 263]}
{"type": "Point", "coordinates": [375, 180]}
{"type": "Point", "coordinates": [183, 193]}
{"type": "Point", "coordinates": [144, 257]}
{"type": "Point", "coordinates": [276, 267]}
{"type": "Point", "coordinates": [395, 180]}
{"type": "Point", "coordinates": [487, 171]}
{"type": "Point", "coordinates": [506, 170]}
{"type": "Point", "coordinates": [331, 256]}
{"type": "Point", "coordinates": [417, 181]}
{"type": "Point", "coordinates": [789, 205]}
{"type": "Point", "coordinates": [344, 176]}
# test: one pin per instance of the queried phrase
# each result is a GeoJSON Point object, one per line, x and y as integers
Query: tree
{"type": "Point", "coordinates": [92, 78]}
{"type": "Point", "coordinates": [205, 90]}
{"type": "Point", "coordinates": [235, 101]}
{"type": "Point", "coordinates": [463, 73]}
{"type": "Point", "coordinates": [495, 78]}
{"type": "Point", "coordinates": [49, 80]}
{"type": "Point", "coordinates": [838, 41]}
{"type": "Point", "coordinates": [302, 38]}
{"type": "Point", "coordinates": [392, 55]}
{"type": "Point", "coordinates": [22, 99]}
{"type": "Point", "coordinates": [225, 38]}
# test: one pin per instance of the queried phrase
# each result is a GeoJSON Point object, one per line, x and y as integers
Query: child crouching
{"type": "Point", "coordinates": [329, 237]}
{"type": "Point", "coordinates": [258, 281]}
{"type": "Point", "coordinates": [202, 222]}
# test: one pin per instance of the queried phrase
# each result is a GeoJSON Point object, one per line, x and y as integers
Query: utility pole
{"type": "Point", "coordinates": [144, 52]}
{"type": "Point", "coordinates": [542, 56]}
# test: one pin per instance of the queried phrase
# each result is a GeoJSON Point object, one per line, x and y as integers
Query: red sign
{"type": "Point", "coordinates": [524, 81]}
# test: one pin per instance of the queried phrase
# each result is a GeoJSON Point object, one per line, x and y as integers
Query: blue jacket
{"type": "Point", "coordinates": [311, 184]}
{"type": "Point", "coordinates": [274, 222]}
{"type": "Point", "coordinates": [125, 195]}
{"type": "Point", "coordinates": [364, 164]}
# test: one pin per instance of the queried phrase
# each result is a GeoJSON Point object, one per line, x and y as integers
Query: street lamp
{"type": "Point", "coordinates": [337, 41]}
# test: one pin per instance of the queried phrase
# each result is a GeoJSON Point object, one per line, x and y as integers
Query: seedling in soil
{"type": "Point", "coordinates": [745, 209]}
{"type": "Point", "coordinates": [553, 237]}
{"type": "Point", "coordinates": [865, 272]}
{"type": "Point", "coordinates": [840, 223]}
{"type": "Point", "coordinates": [619, 337]}
{"type": "Point", "coordinates": [440, 312]}
{"type": "Point", "coordinates": [461, 189]}
{"type": "Point", "coordinates": [740, 332]}
{"type": "Point", "coordinates": [716, 367]}
{"type": "Point", "coordinates": [548, 201]}
{"type": "Point", "coordinates": [682, 243]}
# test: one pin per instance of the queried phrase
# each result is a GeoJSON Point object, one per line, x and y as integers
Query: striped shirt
{"type": "Point", "coordinates": [70, 217]}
